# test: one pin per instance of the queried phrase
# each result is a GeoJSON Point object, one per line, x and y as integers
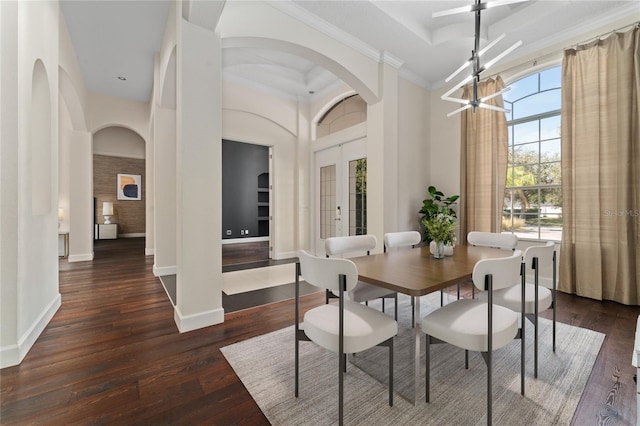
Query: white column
{"type": "Point", "coordinates": [382, 157]}
{"type": "Point", "coordinates": [165, 213]}
{"type": "Point", "coordinates": [199, 178]}
{"type": "Point", "coordinates": [80, 197]}
{"type": "Point", "coordinates": [149, 239]}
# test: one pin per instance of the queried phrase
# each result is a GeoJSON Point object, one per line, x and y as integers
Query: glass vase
{"type": "Point", "coordinates": [438, 251]}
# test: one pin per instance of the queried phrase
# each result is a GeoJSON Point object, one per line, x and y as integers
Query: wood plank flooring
{"type": "Point", "coordinates": [112, 354]}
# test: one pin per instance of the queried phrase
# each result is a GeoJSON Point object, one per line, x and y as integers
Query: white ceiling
{"type": "Point", "coordinates": [119, 38]}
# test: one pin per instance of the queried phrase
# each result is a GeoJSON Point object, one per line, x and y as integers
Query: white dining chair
{"type": "Point", "coordinates": [491, 239]}
{"type": "Point", "coordinates": [403, 239]}
{"type": "Point", "coordinates": [476, 325]}
{"type": "Point", "coordinates": [359, 245]}
{"type": "Point", "coordinates": [539, 294]}
{"type": "Point", "coordinates": [342, 327]}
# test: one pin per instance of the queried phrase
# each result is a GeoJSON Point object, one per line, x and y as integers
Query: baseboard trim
{"type": "Point", "coordinates": [80, 257]}
{"type": "Point", "coordinates": [14, 354]}
{"type": "Point", "coordinates": [164, 270]}
{"type": "Point", "coordinates": [149, 252]}
{"type": "Point", "coordinates": [244, 240]}
{"type": "Point", "coordinates": [285, 255]}
{"type": "Point", "coordinates": [196, 321]}
{"type": "Point", "coordinates": [132, 235]}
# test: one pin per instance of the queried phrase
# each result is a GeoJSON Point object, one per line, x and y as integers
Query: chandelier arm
{"type": "Point", "coordinates": [459, 110]}
{"type": "Point", "coordinates": [458, 100]}
{"type": "Point", "coordinates": [500, 92]}
{"type": "Point", "coordinates": [458, 86]}
{"type": "Point", "coordinates": [492, 107]}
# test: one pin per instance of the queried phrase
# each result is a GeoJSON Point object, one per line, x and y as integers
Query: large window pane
{"type": "Point", "coordinates": [526, 132]}
{"type": "Point", "coordinates": [550, 173]}
{"type": "Point", "coordinates": [533, 199]}
{"type": "Point", "coordinates": [550, 127]}
{"type": "Point", "coordinates": [550, 150]}
{"type": "Point", "coordinates": [537, 104]}
{"type": "Point", "coordinates": [521, 88]}
{"type": "Point", "coordinates": [551, 78]}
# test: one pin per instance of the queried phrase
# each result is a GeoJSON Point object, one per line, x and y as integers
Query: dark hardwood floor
{"type": "Point", "coordinates": [112, 354]}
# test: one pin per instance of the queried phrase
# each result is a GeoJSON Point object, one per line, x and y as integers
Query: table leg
{"type": "Point", "coordinates": [418, 332]}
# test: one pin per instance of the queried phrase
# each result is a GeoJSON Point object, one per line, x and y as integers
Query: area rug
{"type": "Point", "coordinates": [265, 364]}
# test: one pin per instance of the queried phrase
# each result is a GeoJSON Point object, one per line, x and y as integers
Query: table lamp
{"type": "Point", "coordinates": [107, 211]}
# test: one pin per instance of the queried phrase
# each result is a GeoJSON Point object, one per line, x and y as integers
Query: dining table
{"type": "Point", "coordinates": [416, 272]}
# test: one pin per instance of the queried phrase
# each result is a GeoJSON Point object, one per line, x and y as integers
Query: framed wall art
{"type": "Point", "coordinates": [129, 187]}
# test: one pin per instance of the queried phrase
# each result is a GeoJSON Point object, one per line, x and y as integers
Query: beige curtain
{"type": "Point", "coordinates": [483, 162]}
{"type": "Point", "coordinates": [599, 256]}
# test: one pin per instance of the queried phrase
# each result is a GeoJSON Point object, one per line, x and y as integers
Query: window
{"type": "Point", "coordinates": [533, 198]}
{"type": "Point", "coordinates": [358, 197]}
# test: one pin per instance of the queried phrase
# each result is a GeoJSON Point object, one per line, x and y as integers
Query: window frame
{"type": "Point", "coordinates": [511, 164]}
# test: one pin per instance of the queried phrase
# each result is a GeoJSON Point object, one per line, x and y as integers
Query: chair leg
{"type": "Point", "coordinates": [466, 359]}
{"type": "Point", "coordinates": [441, 298]}
{"type": "Point", "coordinates": [340, 387]}
{"type": "Point", "coordinates": [383, 304]}
{"type": "Point", "coordinates": [413, 312]}
{"type": "Point", "coordinates": [297, 361]}
{"type": "Point", "coordinates": [489, 387]}
{"type": "Point", "coordinates": [391, 373]}
{"type": "Point", "coordinates": [554, 322]}
{"type": "Point", "coordinates": [427, 358]}
{"type": "Point", "coordinates": [396, 306]}
{"type": "Point", "coordinates": [523, 320]}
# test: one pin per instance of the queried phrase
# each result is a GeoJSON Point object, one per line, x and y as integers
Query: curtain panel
{"type": "Point", "coordinates": [483, 162]}
{"type": "Point", "coordinates": [599, 255]}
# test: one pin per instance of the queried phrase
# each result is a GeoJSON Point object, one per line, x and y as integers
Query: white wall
{"type": "Point", "coordinates": [29, 214]}
{"type": "Point", "coordinates": [118, 142]}
{"type": "Point", "coordinates": [414, 160]}
{"type": "Point", "coordinates": [105, 111]}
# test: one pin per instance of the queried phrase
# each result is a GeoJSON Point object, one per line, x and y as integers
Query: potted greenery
{"type": "Point", "coordinates": [438, 217]}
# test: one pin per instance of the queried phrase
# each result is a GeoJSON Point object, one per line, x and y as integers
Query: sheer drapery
{"type": "Point", "coordinates": [601, 169]}
{"type": "Point", "coordinates": [483, 162]}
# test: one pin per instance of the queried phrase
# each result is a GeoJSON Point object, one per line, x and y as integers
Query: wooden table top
{"type": "Point", "coordinates": [416, 272]}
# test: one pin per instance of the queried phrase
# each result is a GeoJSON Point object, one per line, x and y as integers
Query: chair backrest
{"type": "Point", "coordinates": [401, 239]}
{"type": "Point", "coordinates": [493, 239]}
{"type": "Point", "coordinates": [545, 263]}
{"type": "Point", "coordinates": [325, 272]}
{"type": "Point", "coordinates": [505, 271]}
{"type": "Point", "coordinates": [359, 244]}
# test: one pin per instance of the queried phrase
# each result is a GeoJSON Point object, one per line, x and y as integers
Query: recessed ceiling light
{"type": "Point", "coordinates": [121, 78]}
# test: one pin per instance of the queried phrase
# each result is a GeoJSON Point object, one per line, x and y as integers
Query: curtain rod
{"type": "Point", "coordinates": [607, 34]}
{"type": "Point", "coordinates": [535, 60]}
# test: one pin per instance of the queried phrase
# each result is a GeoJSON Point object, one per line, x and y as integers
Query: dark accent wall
{"type": "Point", "coordinates": [242, 164]}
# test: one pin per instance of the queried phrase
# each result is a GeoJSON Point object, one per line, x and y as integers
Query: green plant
{"type": "Point", "coordinates": [436, 204]}
{"type": "Point", "coordinates": [441, 227]}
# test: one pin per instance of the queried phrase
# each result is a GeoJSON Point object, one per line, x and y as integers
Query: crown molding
{"type": "Point", "coordinates": [315, 22]}
{"type": "Point", "coordinates": [391, 60]}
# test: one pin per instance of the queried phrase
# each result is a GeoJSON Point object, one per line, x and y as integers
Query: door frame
{"type": "Point", "coordinates": [352, 134]}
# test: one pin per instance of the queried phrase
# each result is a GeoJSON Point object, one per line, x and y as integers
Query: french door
{"type": "Point", "coordinates": [340, 192]}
